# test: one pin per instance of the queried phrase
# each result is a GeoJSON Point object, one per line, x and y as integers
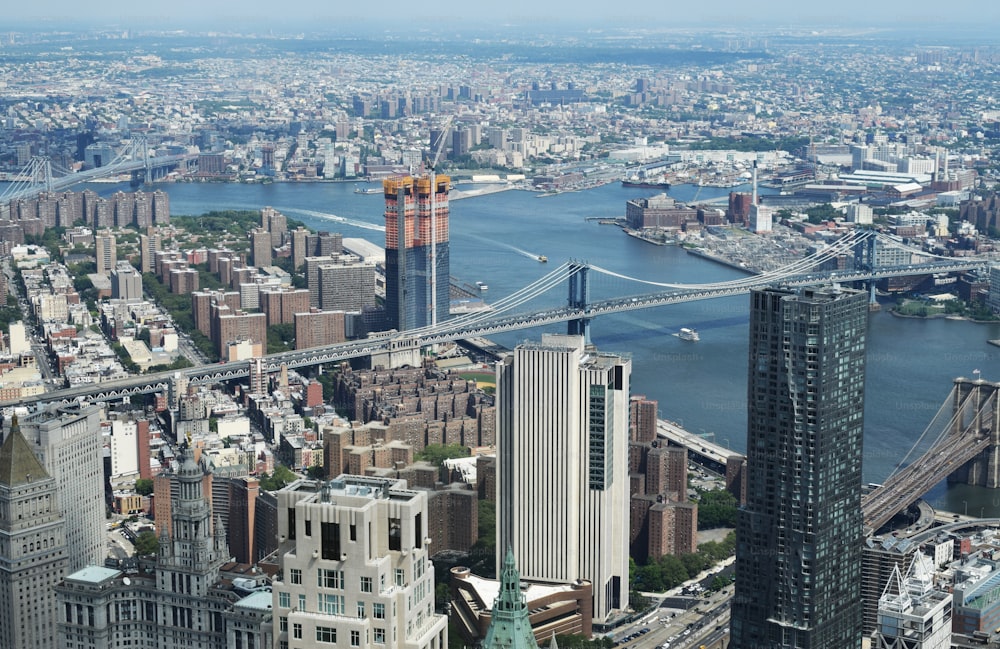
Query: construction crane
{"type": "Point", "coordinates": [438, 149]}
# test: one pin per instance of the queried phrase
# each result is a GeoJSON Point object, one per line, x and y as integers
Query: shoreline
{"type": "Point", "coordinates": [699, 252]}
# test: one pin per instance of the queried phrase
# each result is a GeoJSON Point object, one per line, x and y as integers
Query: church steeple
{"type": "Point", "coordinates": [510, 627]}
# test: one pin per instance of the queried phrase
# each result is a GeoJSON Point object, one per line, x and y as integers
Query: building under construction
{"type": "Point", "coordinates": [416, 251]}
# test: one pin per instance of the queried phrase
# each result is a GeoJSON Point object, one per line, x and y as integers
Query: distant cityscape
{"type": "Point", "coordinates": [169, 477]}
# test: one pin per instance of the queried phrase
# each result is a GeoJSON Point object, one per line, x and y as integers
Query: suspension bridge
{"type": "Point", "coordinates": [515, 312]}
{"type": "Point", "coordinates": [965, 432]}
{"type": "Point", "coordinates": [41, 175]}
{"type": "Point", "coordinates": [962, 444]}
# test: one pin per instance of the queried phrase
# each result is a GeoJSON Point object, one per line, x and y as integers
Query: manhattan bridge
{"type": "Point", "coordinates": [966, 427]}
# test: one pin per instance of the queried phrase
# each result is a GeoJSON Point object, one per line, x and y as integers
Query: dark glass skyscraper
{"type": "Point", "coordinates": [413, 271]}
{"type": "Point", "coordinates": [799, 537]}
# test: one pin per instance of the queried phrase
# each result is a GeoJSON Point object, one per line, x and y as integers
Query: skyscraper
{"type": "Point", "coordinates": [68, 442]}
{"type": "Point", "coordinates": [106, 252]}
{"type": "Point", "coordinates": [562, 463]}
{"type": "Point", "coordinates": [799, 538]}
{"type": "Point", "coordinates": [413, 272]}
{"type": "Point", "coordinates": [32, 547]}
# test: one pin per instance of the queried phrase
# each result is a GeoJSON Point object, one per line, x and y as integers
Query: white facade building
{"type": "Point", "coordinates": [123, 441]}
{"type": "Point", "coordinates": [562, 466]}
{"type": "Point", "coordinates": [19, 339]}
{"type": "Point", "coordinates": [68, 442]}
{"type": "Point", "coordinates": [354, 570]}
{"type": "Point", "coordinates": [911, 613]}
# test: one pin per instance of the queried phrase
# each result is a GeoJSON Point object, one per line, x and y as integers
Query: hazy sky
{"type": "Point", "coordinates": [329, 14]}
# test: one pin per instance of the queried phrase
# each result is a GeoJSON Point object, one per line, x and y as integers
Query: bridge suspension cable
{"type": "Point", "coordinates": [942, 422]}
{"type": "Point", "coordinates": [504, 305]}
{"type": "Point", "coordinates": [837, 248]}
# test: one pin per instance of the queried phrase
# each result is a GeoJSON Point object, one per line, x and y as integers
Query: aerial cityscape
{"type": "Point", "coordinates": [432, 329]}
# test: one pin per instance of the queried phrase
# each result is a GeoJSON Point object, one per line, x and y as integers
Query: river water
{"type": "Point", "coordinates": [497, 238]}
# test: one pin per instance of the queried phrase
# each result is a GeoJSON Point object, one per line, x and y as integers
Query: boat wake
{"type": "Point", "coordinates": [333, 217]}
{"type": "Point", "coordinates": [494, 242]}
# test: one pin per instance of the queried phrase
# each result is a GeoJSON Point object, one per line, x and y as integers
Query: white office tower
{"type": "Point", "coordinates": [69, 443]}
{"type": "Point", "coordinates": [562, 466]}
{"type": "Point", "coordinates": [122, 441]}
{"type": "Point", "coordinates": [353, 567]}
{"type": "Point", "coordinates": [911, 613]}
{"type": "Point", "coordinates": [860, 213]}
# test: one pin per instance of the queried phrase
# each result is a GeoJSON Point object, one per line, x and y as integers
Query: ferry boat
{"type": "Point", "coordinates": [367, 190]}
{"type": "Point", "coordinates": [543, 258]}
{"type": "Point", "coordinates": [481, 286]}
{"type": "Point", "coordinates": [688, 334]}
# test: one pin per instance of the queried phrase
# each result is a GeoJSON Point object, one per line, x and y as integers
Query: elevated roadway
{"type": "Point", "coordinates": [708, 453]}
{"type": "Point", "coordinates": [471, 326]}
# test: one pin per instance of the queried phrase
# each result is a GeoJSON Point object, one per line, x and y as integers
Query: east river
{"type": "Point", "coordinates": [497, 238]}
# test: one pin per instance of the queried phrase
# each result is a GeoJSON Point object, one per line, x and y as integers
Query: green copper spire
{"type": "Point", "coordinates": [510, 627]}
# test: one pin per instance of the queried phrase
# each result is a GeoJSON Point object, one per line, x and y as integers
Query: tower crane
{"type": "Point", "coordinates": [438, 148]}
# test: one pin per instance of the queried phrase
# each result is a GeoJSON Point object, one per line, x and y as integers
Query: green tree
{"type": "Point", "coordinates": [144, 486]}
{"type": "Point", "coordinates": [146, 543]}
{"type": "Point", "coordinates": [280, 338]}
{"type": "Point", "coordinates": [436, 454]}
{"type": "Point", "coordinates": [282, 476]}
{"type": "Point", "coordinates": [716, 508]}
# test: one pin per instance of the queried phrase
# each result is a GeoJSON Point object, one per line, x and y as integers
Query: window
{"type": "Point", "coordinates": [283, 624]}
{"type": "Point", "coordinates": [355, 638]}
{"type": "Point", "coordinates": [395, 535]}
{"type": "Point", "coordinates": [330, 578]}
{"type": "Point", "coordinates": [326, 634]}
{"type": "Point", "coordinates": [302, 601]}
{"type": "Point", "coordinates": [284, 600]}
{"type": "Point", "coordinates": [330, 540]}
{"type": "Point", "coordinates": [379, 636]}
{"type": "Point", "coordinates": [331, 604]}
{"type": "Point", "coordinates": [378, 611]}
{"type": "Point", "coordinates": [399, 575]}
{"type": "Point", "coordinates": [366, 584]}
{"type": "Point", "coordinates": [361, 610]}
{"type": "Point", "coordinates": [297, 631]}
{"type": "Point", "coordinates": [295, 575]}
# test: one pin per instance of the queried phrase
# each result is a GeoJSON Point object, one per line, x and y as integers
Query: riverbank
{"type": "Point", "coordinates": [704, 254]}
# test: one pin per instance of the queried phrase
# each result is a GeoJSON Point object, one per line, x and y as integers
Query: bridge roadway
{"type": "Point", "coordinates": [382, 343]}
{"type": "Point", "coordinates": [913, 481]}
{"type": "Point", "coordinates": [61, 183]}
{"type": "Point", "coordinates": [694, 443]}
{"type": "Point", "coordinates": [954, 447]}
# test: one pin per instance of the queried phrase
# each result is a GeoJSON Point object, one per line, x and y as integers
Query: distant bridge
{"type": "Point", "coordinates": [506, 315]}
{"type": "Point", "coordinates": [37, 176]}
{"type": "Point", "coordinates": [966, 447]}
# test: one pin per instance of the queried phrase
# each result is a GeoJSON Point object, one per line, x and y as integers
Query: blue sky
{"type": "Point", "coordinates": [313, 14]}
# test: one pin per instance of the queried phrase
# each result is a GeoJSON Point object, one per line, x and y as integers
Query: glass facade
{"type": "Point", "coordinates": [799, 537]}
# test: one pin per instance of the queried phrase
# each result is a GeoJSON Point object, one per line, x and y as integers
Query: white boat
{"type": "Point", "coordinates": [481, 286]}
{"type": "Point", "coordinates": [688, 334]}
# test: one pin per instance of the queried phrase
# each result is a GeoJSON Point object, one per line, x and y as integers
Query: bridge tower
{"type": "Point", "coordinates": [139, 146]}
{"type": "Point", "coordinates": [865, 256]}
{"type": "Point", "coordinates": [579, 297]}
{"type": "Point", "coordinates": [976, 406]}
